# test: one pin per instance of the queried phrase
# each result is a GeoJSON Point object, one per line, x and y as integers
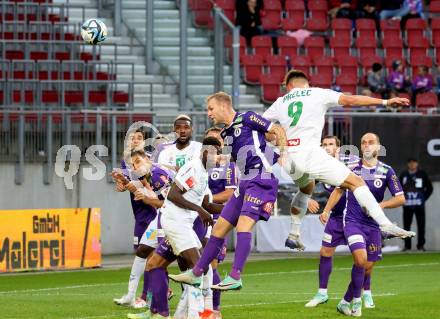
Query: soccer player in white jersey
{"type": "Point", "coordinates": [184, 149]}
{"type": "Point", "coordinates": [301, 112]}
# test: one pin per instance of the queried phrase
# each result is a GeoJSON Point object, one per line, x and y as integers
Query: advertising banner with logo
{"type": "Point", "coordinates": [403, 138]}
{"type": "Point", "coordinates": [50, 239]}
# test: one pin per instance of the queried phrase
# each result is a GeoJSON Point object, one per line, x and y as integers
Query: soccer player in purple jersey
{"type": "Point", "coordinates": [361, 231]}
{"type": "Point", "coordinates": [244, 136]}
{"type": "Point", "coordinates": [334, 230]}
{"type": "Point", "coordinates": [144, 214]}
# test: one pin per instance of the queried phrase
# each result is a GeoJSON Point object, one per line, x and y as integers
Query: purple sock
{"type": "Point", "coordinates": [216, 293]}
{"type": "Point", "coordinates": [242, 251]}
{"type": "Point", "coordinates": [367, 282]}
{"type": "Point", "coordinates": [325, 269]}
{"type": "Point", "coordinates": [349, 294]}
{"type": "Point", "coordinates": [145, 290]}
{"type": "Point", "coordinates": [357, 280]}
{"type": "Point", "coordinates": [159, 289]}
{"type": "Point", "coordinates": [210, 252]}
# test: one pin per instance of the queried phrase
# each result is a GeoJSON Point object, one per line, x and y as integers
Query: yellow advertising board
{"type": "Point", "coordinates": [50, 239]}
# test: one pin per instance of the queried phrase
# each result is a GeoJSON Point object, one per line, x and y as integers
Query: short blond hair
{"type": "Point", "coordinates": [220, 97]}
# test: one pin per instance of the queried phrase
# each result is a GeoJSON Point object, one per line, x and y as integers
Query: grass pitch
{"type": "Point", "coordinates": [404, 286]}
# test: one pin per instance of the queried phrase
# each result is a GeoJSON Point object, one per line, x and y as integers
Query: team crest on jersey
{"type": "Point", "coordinates": [378, 183]}
{"type": "Point", "coordinates": [268, 207]}
{"type": "Point", "coordinates": [237, 132]}
{"type": "Point", "coordinates": [215, 175]}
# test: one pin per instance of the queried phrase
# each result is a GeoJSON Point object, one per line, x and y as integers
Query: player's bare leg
{"type": "Point", "coordinates": [366, 200]}
{"type": "Point", "coordinates": [298, 209]}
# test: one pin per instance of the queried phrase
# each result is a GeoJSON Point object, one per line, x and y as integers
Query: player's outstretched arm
{"type": "Point", "coordinates": [363, 100]}
{"type": "Point", "coordinates": [223, 197]}
{"type": "Point", "coordinates": [213, 208]}
{"type": "Point", "coordinates": [277, 135]}
{"type": "Point", "coordinates": [394, 202]}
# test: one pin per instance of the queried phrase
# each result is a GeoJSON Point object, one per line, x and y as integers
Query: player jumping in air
{"type": "Point", "coordinates": [301, 112]}
{"type": "Point", "coordinates": [244, 135]}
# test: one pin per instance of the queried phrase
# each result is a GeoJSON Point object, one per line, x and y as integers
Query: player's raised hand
{"type": "Point", "coordinates": [120, 187]}
{"type": "Point", "coordinates": [133, 186]}
{"type": "Point", "coordinates": [313, 206]}
{"type": "Point", "coordinates": [398, 101]}
{"type": "Point", "coordinates": [205, 217]}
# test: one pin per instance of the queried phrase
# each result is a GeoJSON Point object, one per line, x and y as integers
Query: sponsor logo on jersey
{"type": "Point", "coordinates": [268, 207]}
{"type": "Point", "coordinates": [255, 119]}
{"type": "Point", "coordinates": [190, 182]}
{"type": "Point", "coordinates": [294, 142]}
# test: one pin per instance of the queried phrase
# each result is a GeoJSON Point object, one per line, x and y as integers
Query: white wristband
{"type": "Point", "coordinates": [385, 102]}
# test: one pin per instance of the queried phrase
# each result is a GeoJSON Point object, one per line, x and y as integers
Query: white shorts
{"type": "Point", "coordinates": [208, 232]}
{"type": "Point", "coordinates": [180, 234]}
{"type": "Point", "coordinates": [313, 163]}
{"type": "Point", "coordinates": [151, 234]}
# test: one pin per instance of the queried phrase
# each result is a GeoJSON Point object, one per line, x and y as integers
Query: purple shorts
{"type": "Point", "coordinates": [334, 233]}
{"type": "Point", "coordinates": [254, 198]}
{"type": "Point", "coordinates": [364, 237]}
{"type": "Point", "coordinates": [164, 248]}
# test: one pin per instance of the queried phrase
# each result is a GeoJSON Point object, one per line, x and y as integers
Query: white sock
{"type": "Point", "coordinates": [367, 292]}
{"type": "Point", "coordinates": [343, 301]}
{"type": "Point", "coordinates": [207, 291]}
{"type": "Point", "coordinates": [195, 302]}
{"type": "Point", "coordinates": [322, 291]}
{"type": "Point", "coordinates": [300, 201]}
{"type": "Point", "coordinates": [137, 270]}
{"type": "Point", "coordinates": [182, 307]}
{"type": "Point", "coordinates": [367, 200]}
{"type": "Point", "coordinates": [357, 299]}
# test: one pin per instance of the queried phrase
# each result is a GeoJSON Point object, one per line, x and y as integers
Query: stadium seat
{"type": "Point", "coordinates": [317, 21]}
{"type": "Point", "coordinates": [252, 65]}
{"type": "Point", "coordinates": [434, 8]}
{"type": "Point", "coordinates": [340, 46]}
{"type": "Point", "coordinates": [419, 60]}
{"type": "Point", "coordinates": [270, 24]}
{"type": "Point", "coordinates": [120, 98]}
{"type": "Point", "coordinates": [368, 61]}
{"type": "Point", "coordinates": [347, 82]}
{"type": "Point", "coordinates": [287, 45]}
{"type": "Point", "coordinates": [262, 45]}
{"type": "Point", "coordinates": [228, 7]}
{"type": "Point", "coordinates": [341, 27]}
{"type": "Point", "coordinates": [49, 97]}
{"type": "Point", "coordinates": [202, 16]}
{"type": "Point", "coordinates": [314, 46]}
{"type": "Point", "coordinates": [347, 64]}
{"type": "Point", "coordinates": [417, 45]}
{"type": "Point", "coordinates": [276, 64]}
{"type": "Point", "coordinates": [272, 11]}
{"type": "Point", "coordinates": [302, 63]}
{"type": "Point", "coordinates": [426, 100]}
{"type": "Point", "coordinates": [14, 55]}
{"type": "Point", "coordinates": [39, 55]}
{"type": "Point", "coordinates": [366, 46]}
{"type": "Point", "coordinates": [393, 47]}
{"type": "Point", "coordinates": [270, 87]}
{"type": "Point", "coordinates": [322, 80]}
{"type": "Point", "coordinates": [228, 44]}
{"type": "Point", "coordinates": [391, 28]}
{"type": "Point", "coordinates": [97, 97]}
{"type": "Point", "coordinates": [435, 31]}
{"type": "Point", "coordinates": [292, 23]}
{"type": "Point", "coordinates": [323, 64]}
{"type": "Point", "coordinates": [416, 27]}
{"type": "Point", "coordinates": [295, 9]}
{"type": "Point", "coordinates": [389, 62]}
{"type": "Point", "coordinates": [365, 28]}
{"type": "Point", "coordinates": [73, 97]}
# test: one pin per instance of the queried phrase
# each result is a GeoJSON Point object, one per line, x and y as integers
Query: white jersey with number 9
{"type": "Point", "coordinates": [301, 112]}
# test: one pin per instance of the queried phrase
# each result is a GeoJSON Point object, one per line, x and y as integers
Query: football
{"type": "Point", "coordinates": [94, 31]}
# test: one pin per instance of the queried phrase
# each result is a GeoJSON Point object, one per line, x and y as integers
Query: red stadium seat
{"type": "Point", "coordinates": [368, 61]}
{"type": "Point", "coordinates": [340, 46]}
{"type": "Point", "coordinates": [262, 45]}
{"type": "Point", "coordinates": [228, 45]}
{"type": "Point", "coordinates": [322, 80]}
{"type": "Point", "coordinates": [276, 64]}
{"type": "Point", "coordinates": [366, 46]}
{"type": "Point", "coordinates": [391, 28]}
{"type": "Point", "coordinates": [97, 97]}
{"type": "Point", "coordinates": [323, 64]}
{"type": "Point", "coordinates": [202, 13]}
{"type": "Point", "coordinates": [74, 97]}
{"type": "Point", "coordinates": [228, 7]}
{"type": "Point", "coordinates": [270, 87]}
{"type": "Point", "coordinates": [252, 68]}
{"type": "Point", "coordinates": [302, 63]}
{"type": "Point", "coordinates": [272, 11]}
{"type": "Point", "coordinates": [49, 97]}
{"type": "Point", "coordinates": [317, 5]}
{"type": "Point", "coordinates": [365, 28]}
{"type": "Point", "coordinates": [120, 97]}
{"type": "Point", "coordinates": [389, 62]}
{"type": "Point", "coordinates": [426, 100]}
{"type": "Point", "coordinates": [295, 8]}
{"type": "Point", "coordinates": [347, 82]}
{"type": "Point", "coordinates": [317, 21]}
{"type": "Point", "coordinates": [314, 46]}
{"type": "Point", "coordinates": [14, 55]}
{"type": "Point", "coordinates": [416, 27]}
{"type": "Point", "coordinates": [434, 7]}
{"type": "Point", "coordinates": [292, 23]}
{"type": "Point", "coordinates": [62, 56]}
{"type": "Point", "coordinates": [287, 45]}
{"type": "Point", "coordinates": [341, 27]}
{"type": "Point", "coordinates": [393, 47]}
{"type": "Point", "coordinates": [269, 23]}
{"type": "Point", "coordinates": [38, 55]}
{"type": "Point", "coordinates": [347, 64]}
{"type": "Point", "coordinates": [418, 45]}
{"type": "Point", "coordinates": [420, 60]}
{"type": "Point", "coordinates": [25, 96]}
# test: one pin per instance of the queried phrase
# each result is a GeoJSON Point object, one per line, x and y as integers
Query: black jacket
{"type": "Point", "coordinates": [417, 187]}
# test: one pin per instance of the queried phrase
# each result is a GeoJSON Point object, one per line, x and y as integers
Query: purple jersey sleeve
{"type": "Point", "coordinates": [256, 122]}
{"type": "Point", "coordinates": [393, 183]}
{"type": "Point", "coordinates": [231, 181]}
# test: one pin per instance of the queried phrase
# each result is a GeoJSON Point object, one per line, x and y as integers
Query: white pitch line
{"type": "Point", "coordinates": [23, 291]}
{"type": "Point", "coordinates": [334, 269]}
{"type": "Point", "coordinates": [294, 301]}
